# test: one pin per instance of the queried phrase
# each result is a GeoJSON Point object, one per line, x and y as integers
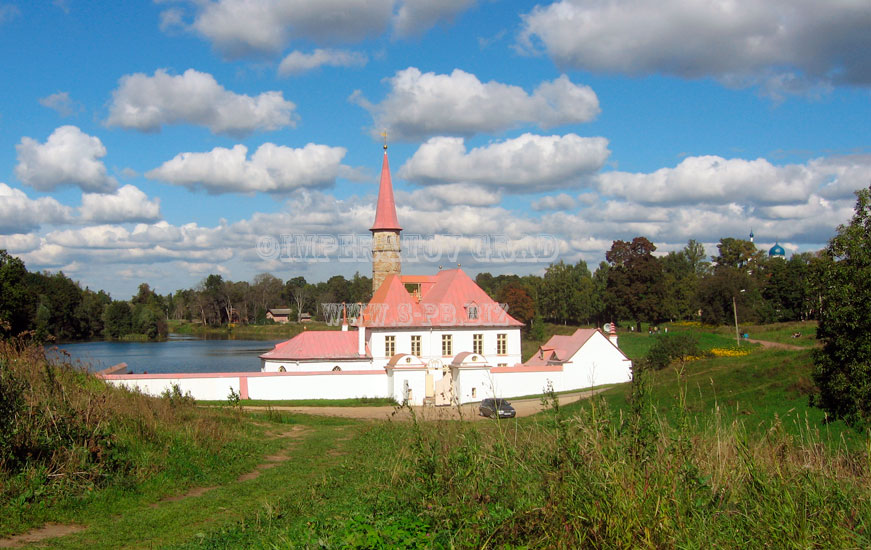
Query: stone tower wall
{"type": "Point", "coordinates": [385, 256]}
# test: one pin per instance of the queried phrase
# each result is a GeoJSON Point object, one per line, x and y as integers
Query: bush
{"type": "Point", "coordinates": [678, 346]}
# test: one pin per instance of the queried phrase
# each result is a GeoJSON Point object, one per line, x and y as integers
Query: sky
{"type": "Point", "coordinates": [164, 141]}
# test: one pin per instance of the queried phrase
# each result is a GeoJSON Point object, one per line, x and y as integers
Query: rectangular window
{"type": "Point", "coordinates": [447, 345]}
{"type": "Point", "coordinates": [473, 311]}
{"type": "Point", "coordinates": [478, 344]}
{"type": "Point", "coordinates": [415, 344]}
{"type": "Point", "coordinates": [501, 344]}
{"type": "Point", "coordinates": [502, 365]}
{"type": "Point", "coordinates": [389, 346]}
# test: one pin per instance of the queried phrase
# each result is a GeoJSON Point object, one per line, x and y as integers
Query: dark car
{"type": "Point", "coordinates": [498, 408]}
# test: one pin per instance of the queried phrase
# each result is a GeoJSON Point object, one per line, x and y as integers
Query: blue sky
{"type": "Point", "coordinates": [164, 141]}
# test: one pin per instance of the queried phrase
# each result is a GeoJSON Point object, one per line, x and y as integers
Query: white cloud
{"type": "Point", "coordinates": [21, 214]}
{"type": "Point", "coordinates": [299, 62]}
{"type": "Point", "coordinates": [18, 243]}
{"type": "Point", "coordinates": [420, 105]}
{"type": "Point", "coordinates": [436, 197]}
{"type": "Point", "coordinates": [554, 202]}
{"type": "Point", "coordinates": [146, 103]}
{"type": "Point", "coordinates": [417, 16]}
{"type": "Point", "coordinates": [528, 163]}
{"type": "Point", "coordinates": [739, 41]}
{"type": "Point", "coordinates": [60, 102]}
{"type": "Point", "coordinates": [241, 27]}
{"type": "Point", "coordinates": [271, 169]}
{"type": "Point", "coordinates": [716, 180]}
{"type": "Point", "coordinates": [68, 157]}
{"type": "Point", "coordinates": [127, 204]}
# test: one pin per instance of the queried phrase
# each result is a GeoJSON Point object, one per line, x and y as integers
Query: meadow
{"type": "Point", "coordinates": [718, 452]}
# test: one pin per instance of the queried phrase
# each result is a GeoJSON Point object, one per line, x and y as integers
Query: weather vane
{"type": "Point", "coordinates": [384, 135]}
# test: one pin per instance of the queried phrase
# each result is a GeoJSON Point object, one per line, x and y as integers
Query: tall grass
{"type": "Point", "coordinates": [598, 478]}
{"type": "Point", "coordinates": [65, 436]}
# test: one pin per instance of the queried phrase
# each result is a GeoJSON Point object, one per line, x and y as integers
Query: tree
{"type": "Point", "coordinates": [117, 319]}
{"type": "Point", "coordinates": [842, 367]}
{"type": "Point", "coordinates": [737, 253]}
{"type": "Point", "coordinates": [520, 304]}
{"type": "Point", "coordinates": [567, 292]}
{"type": "Point", "coordinates": [17, 304]}
{"type": "Point", "coordinates": [635, 283]}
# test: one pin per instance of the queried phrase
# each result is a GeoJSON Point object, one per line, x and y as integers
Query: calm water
{"type": "Point", "coordinates": [178, 354]}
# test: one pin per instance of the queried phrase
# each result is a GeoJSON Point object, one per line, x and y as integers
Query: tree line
{"type": "Point", "coordinates": [633, 285]}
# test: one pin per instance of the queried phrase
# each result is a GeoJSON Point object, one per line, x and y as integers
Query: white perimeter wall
{"type": "Point", "coordinates": [284, 385]}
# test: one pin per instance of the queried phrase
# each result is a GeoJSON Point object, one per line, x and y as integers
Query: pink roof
{"type": "Point", "coordinates": [561, 348]}
{"type": "Point", "coordinates": [317, 344]}
{"type": "Point", "coordinates": [445, 302]}
{"type": "Point", "coordinates": [385, 211]}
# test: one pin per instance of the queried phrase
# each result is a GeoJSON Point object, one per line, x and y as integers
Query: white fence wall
{"type": "Point", "coordinates": [257, 385]}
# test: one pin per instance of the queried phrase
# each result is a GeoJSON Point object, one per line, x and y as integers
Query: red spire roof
{"type": "Point", "coordinates": [385, 212]}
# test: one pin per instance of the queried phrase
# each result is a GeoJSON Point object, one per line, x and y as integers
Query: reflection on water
{"type": "Point", "coordinates": [180, 353]}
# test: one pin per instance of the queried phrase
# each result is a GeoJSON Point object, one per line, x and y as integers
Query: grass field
{"type": "Point", "coordinates": [720, 452]}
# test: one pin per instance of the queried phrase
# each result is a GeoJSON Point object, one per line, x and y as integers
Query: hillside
{"type": "Point", "coordinates": [721, 453]}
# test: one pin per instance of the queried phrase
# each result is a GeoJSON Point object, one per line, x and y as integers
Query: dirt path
{"type": "Point", "coordinates": [48, 531]}
{"type": "Point", "coordinates": [469, 411]}
{"type": "Point", "coordinates": [54, 530]}
{"type": "Point", "coordinates": [776, 345]}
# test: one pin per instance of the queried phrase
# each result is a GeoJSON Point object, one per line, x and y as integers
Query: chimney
{"type": "Point", "coordinates": [344, 318]}
{"type": "Point", "coordinates": [612, 335]}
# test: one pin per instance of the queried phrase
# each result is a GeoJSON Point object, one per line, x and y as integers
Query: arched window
{"type": "Point", "coordinates": [337, 368]}
{"type": "Point", "coordinates": [282, 369]}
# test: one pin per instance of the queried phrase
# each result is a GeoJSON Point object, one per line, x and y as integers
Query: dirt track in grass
{"type": "Point", "coordinates": [524, 407]}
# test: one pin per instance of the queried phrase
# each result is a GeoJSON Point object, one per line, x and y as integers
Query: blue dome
{"type": "Point", "coordinates": [777, 251]}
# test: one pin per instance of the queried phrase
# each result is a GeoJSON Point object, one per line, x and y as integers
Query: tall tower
{"type": "Point", "coordinates": [385, 231]}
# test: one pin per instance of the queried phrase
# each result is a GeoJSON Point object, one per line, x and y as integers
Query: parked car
{"type": "Point", "coordinates": [498, 408]}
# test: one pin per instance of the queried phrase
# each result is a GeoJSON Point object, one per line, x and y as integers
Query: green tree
{"type": "Point", "coordinates": [635, 281]}
{"type": "Point", "coordinates": [842, 367]}
{"type": "Point", "coordinates": [17, 305]}
{"type": "Point", "coordinates": [117, 319]}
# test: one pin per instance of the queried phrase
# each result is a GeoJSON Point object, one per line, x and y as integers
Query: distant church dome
{"type": "Point", "coordinates": [777, 251]}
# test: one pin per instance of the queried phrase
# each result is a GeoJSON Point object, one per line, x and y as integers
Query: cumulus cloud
{"type": "Point", "coordinates": [554, 202]}
{"type": "Point", "coordinates": [528, 163]}
{"type": "Point", "coordinates": [68, 157]}
{"type": "Point", "coordinates": [239, 27]}
{"type": "Point", "coordinates": [21, 214]}
{"type": "Point", "coordinates": [61, 103]}
{"type": "Point", "coordinates": [299, 62]}
{"type": "Point", "coordinates": [434, 198]}
{"type": "Point", "coordinates": [420, 105]}
{"type": "Point", "coordinates": [271, 169]}
{"type": "Point", "coordinates": [146, 103]}
{"type": "Point", "coordinates": [716, 180]}
{"type": "Point", "coordinates": [128, 204]}
{"type": "Point", "coordinates": [417, 16]}
{"type": "Point", "coordinates": [741, 42]}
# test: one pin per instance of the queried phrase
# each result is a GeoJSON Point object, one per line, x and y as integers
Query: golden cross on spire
{"type": "Point", "coordinates": [384, 135]}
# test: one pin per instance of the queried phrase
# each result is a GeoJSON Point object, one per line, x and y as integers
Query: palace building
{"type": "Point", "coordinates": [422, 339]}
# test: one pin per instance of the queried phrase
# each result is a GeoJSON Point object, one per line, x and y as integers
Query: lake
{"type": "Point", "coordinates": [180, 353]}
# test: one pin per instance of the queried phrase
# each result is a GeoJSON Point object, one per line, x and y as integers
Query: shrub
{"type": "Point", "coordinates": [677, 346]}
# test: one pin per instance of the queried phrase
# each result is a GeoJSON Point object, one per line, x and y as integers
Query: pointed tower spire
{"type": "Point", "coordinates": [385, 211]}
{"type": "Point", "coordinates": [385, 230]}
